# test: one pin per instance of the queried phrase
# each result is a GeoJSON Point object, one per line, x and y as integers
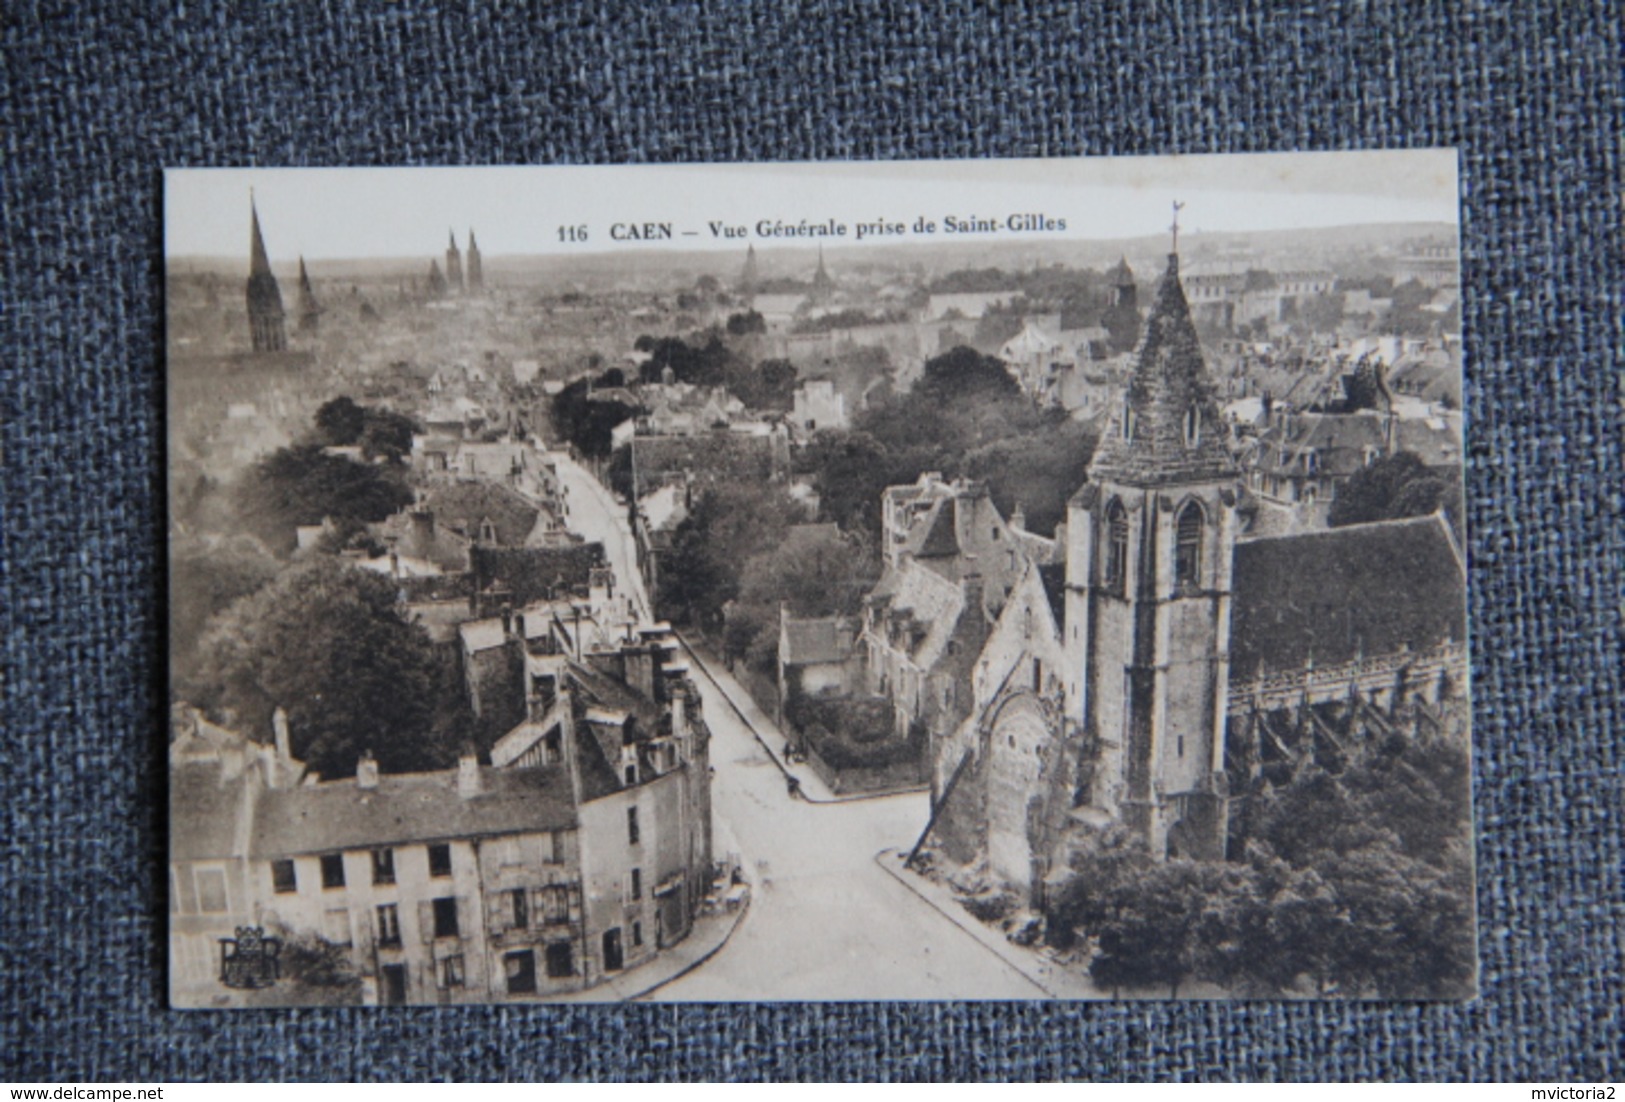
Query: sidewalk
{"type": "Point", "coordinates": [710, 933]}
{"type": "Point", "coordinates": [1056, 980]}
{"type": "Point", "coordinates": [813, 788]}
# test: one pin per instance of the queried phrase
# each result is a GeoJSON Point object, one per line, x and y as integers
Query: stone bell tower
{"type": "Point", "coordinates": [1149, 540]}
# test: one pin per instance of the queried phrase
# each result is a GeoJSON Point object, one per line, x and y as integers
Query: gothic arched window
{"type": "Point", "coordinates": [1188, 547]}
{"type": "Point", "coordinates": [1193, 426]}
{"type": "Point", "coordinates": [1114, 567]}
{"type": "Point", "coordinates": [1128, 420]}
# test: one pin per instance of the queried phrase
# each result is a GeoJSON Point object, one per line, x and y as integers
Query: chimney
{"type": "Point", "coordinates": [366, 771]}
{"type": "Point", "coordinates": [469, 783]}
{"type": "Point", "coordinates": [679, 710]}
{"type": "Point", "coordinates": [972, 585]}
{"type": "Point", "coordinates": [284, 745]}
{"type": "Point", "coordinates": [1018, 518]}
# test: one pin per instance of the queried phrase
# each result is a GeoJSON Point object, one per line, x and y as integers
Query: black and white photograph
{"type": "Point", "coordinates": [984, 580]}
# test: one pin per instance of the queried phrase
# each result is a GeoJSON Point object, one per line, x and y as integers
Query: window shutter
{"type": "Point", "coordinates": [426, 921]}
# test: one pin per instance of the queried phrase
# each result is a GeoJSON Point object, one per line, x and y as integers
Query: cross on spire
{"type": "Point", "coordinates": [1174, 228]}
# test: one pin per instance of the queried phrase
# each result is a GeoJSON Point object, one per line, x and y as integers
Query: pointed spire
{"type": "Point", "coordinates": [451, 237]}
{"type": "Point", "coordinates": [1168, 428]}
{"type": "Point", "coordinates": [258, 262]}
{"type": "Point", "coordinates": [264, 297]}
{"type": "Point", "coordinates": [309, 311]}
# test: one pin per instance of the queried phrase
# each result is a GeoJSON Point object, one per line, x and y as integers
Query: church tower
{"type": "Point", "coordinates": [309, 312]}
{"type": "Point", "coordinates": [748, 278]}
{"type": "Point", "coordinates": [265, 315]}
{"type": "Point", "coordinates": [1122, 316]}
{"type": "Point", "coordinates": [1148, 562]}
{"type": "Point", "coordinates": [476, 273]}
{"type": "Point", "coordinates": [823, 287]}
{"type": "Point", "coordinates": [454, 265]}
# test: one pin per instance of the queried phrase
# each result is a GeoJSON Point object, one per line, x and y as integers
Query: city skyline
{"type": "Point", "coordinates": [344, 214]}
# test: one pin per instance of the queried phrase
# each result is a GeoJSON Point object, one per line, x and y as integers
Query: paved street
{"type": "Point", "coordinates": [825, 921]}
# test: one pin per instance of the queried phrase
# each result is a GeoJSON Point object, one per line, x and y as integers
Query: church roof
{"type": "Point", "coordinates": [1170, 381]}
{"type": "Point", "coordinates": [1335, 595]}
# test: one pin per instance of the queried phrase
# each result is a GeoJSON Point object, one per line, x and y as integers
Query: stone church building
{"type": "Point", "coordinates": [1166, 654]}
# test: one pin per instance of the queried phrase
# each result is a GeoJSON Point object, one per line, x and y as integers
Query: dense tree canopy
{"type": "Point", "coordinates": [731, 523]}
{"type": "Point", "coordinates": [1396, 486]}
{"type": "Point", "coordinates": [819, 573]}
{"type": "Point", "coordinates": [326, 643]}
{"type": "Point", "coordinates": [303, 485]}
{"type": "Point", "coordinates": [1356, 884]}
{"type": "Point", "coordinates": [966, 417]}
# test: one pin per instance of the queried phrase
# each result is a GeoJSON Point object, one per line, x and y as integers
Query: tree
{"type": "Point", "coordinates": [341, 421]}
{"type": "Point", "coordinates": [819, 573]}
{"type": "Point", "coordinates": [852, 469]}
{"type": "Point", "coordinates": [388, 435]}
{"type": "Point", "coordinates": [1395, 486]}
{"type": "Point", "coordinates": [965, 375]}
{"type": "Point", "coordinates": [741, 325]}
{"type": "Point", "coordinates": [303, 485]}
{"type": "Point", "coordinates": [326, 643]}
{"type": "Point", "coordinates": [730, 523]}
{"type": "Point", "coordinates": [205, 577]}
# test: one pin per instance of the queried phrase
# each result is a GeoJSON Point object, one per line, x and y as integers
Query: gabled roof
{"type": "Point", "coordinates": [1334, 595]}
{"type": "Point", "coordinates": [935, 536]}
{"type": "Point", "coordinates": [408, 808]}
{"type": "Point", "coordinates": [470, 503]}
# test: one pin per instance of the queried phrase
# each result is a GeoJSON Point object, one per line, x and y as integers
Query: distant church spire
{"type": "Point", "coordinates": [265, 315]}
{"type": "Point", "coordinates": [748, 277]}
{"type": "Point", "coordinates": [309, 310]}
{"type": "Point", "coordinates": [476, 271]}
{"type": "Point", "coordinates": [823, 286]}
{"type": "Point", "coordinates": [454, 263]}
{"type": "Point", "coordinates": [1168, 429]}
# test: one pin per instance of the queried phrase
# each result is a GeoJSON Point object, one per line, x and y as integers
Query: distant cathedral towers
{"type": "Point", "coordinates": [454, 265]}
{"type": "Point", "coordinates": [476, 274]}
{"type": "Point", "coordinates": [309, 311]}
{"type": "Point", "coordinates": [265, 315]}
{"type": "Point", "coordinates": [463, 274]}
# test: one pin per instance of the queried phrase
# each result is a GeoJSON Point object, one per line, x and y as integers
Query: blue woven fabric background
{"type": "Point", "coordinates": [99, 96]}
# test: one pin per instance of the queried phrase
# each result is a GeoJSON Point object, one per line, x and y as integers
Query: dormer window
{"type": "Point", "coordinates": [488, 531]}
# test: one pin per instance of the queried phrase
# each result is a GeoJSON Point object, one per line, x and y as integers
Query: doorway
{"type": "Point", "coordinates": [614, 959]}
{"type": "Point", "coordinates": [394, 984]}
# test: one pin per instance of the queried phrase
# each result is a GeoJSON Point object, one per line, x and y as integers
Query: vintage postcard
{"type": "Point", "coordinates": [986, 580]}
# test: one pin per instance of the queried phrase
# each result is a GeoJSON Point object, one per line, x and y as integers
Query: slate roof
{"type": "Point", "coordinates": [536, 573]}
{"type": "Point", "coordinates": [467, 503]}
{"type": "Point", "coordinates": [1343, 593]}
{"type": "Point", "coordinates": [408, 808]}
{"type": "Point", "coordinates": [817, 641]}
{"type": "Point", "coordinates": [930, 601]}
{"type": "Point", "coordinates": [203, 811]}
{"type": "Point", "coordinates": [1170, 377]}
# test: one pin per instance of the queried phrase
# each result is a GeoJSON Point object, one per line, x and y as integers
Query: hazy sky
{"type": "Point", "coordinates": [390, 212]}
